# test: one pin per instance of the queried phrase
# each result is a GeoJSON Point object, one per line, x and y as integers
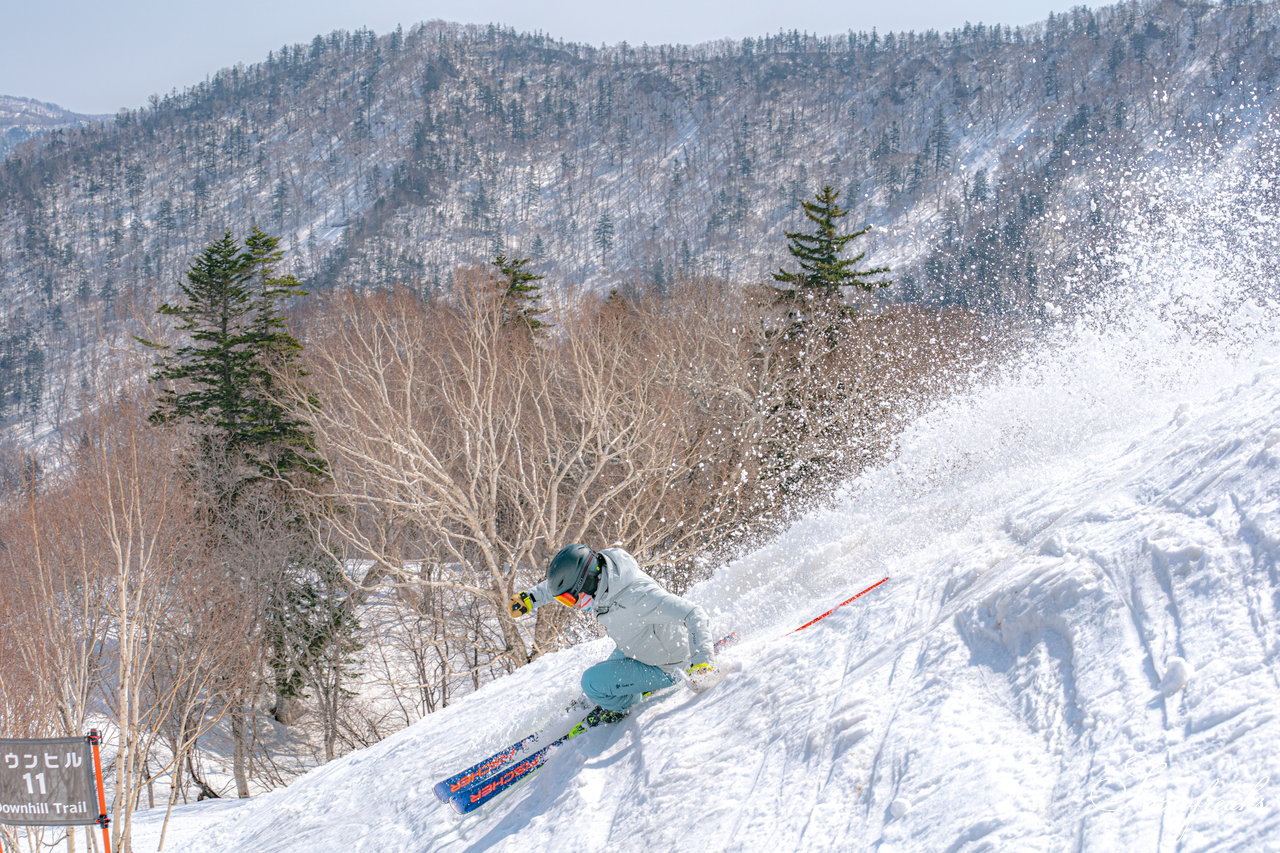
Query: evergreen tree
{"type": "Point", "coordinates": [223, 380]}
{"type": "Point", "coordinates": [939, 142]}
{"type": "Point", "coordinates": [224, 377]}
{"type": "Point", "coordinates": [602, 236]}
{"type": "Point", "coordinates": [816, 397]}
{"type": "Point", "coordinates": [979, 191]}
{"type": "Point", "coordinates": [521, 297]}
{"type": "Point", "coordinates": [822, 271]}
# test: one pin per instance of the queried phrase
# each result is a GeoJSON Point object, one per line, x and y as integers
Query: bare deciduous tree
{"type": "Point", "coordinates": [465, 452]}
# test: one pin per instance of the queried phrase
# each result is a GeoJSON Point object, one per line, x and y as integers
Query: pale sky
{"type": "Point", "coordinates": [96, 56]}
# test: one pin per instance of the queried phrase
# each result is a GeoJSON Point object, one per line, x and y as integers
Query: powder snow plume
{"type": "Point", "coordinates": [1078, 647]}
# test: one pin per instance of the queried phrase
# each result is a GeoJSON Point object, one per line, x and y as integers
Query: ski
{"type": "Point", "coordinates": [471, 798]}
{"type": "Point", "coordinates": [449, 790]}
{"type": "Point", "coordinates": [446, 788]}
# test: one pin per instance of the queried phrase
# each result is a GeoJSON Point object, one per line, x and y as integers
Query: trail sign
{"type": "Point", "coordinates": [48, 782]}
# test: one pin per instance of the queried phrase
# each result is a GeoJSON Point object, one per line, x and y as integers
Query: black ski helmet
{"type": "Point", "coordinates": [575, 569]}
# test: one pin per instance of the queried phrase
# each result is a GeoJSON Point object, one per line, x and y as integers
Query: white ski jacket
{"type": "Point", "coordinates": [648, 623]}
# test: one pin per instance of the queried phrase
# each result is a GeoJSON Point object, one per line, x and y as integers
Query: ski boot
{"type": "Point", "coordinates": [598, 716]}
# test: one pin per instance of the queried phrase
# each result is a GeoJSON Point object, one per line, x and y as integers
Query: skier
{"type": "Point", "coordinates": [657, 633]}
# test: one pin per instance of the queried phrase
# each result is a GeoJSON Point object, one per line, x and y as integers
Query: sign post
{"type": "Point", "coordinates": [53, 782]}
{"type": "Point", "coordinates": [95, 739]}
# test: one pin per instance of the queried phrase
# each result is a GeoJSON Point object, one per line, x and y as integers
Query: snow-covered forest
{"type": "Point", "coordinates": [1055, 433]}
{"type": "Point", "coordinates": [978, 155]}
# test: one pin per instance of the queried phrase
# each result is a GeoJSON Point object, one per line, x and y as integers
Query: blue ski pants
{"type": "Point", "coordinates": [616, 683]}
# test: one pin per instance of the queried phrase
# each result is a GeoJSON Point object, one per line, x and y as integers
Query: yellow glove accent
{"type": "Point", "coordinates": [521, 603]}
{"type": "Point", "coordinates": [703, 676]}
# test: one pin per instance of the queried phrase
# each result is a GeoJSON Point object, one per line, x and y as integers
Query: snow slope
{"type": "Point", "coordinates": [1077, 649]}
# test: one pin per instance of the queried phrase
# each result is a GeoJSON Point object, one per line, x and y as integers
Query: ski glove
{"type": "Point", "coordinates": [521, 603]}
{"type": "Point", "coordinates": [703, 676]}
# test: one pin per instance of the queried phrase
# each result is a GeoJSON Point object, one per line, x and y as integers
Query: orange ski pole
{"type": "Point", "coordinates": [841, 604]}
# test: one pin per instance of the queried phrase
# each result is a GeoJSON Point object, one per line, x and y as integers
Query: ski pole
{"type": "Point", "coordinates": [841, 604]}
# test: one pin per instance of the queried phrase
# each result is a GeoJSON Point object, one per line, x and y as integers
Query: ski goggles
{"type": "Point", "coordinates": [576, 600]}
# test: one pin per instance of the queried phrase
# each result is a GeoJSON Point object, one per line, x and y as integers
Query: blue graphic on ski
{"type": "Point", "coordinates": [446, 788]}
{"type": "Point", "coordinates": [471, 798]}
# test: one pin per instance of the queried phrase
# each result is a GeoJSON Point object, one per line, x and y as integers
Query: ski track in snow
{"type": "Point", "coordinates": [1078, 649]}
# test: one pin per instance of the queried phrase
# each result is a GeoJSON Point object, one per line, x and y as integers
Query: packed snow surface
{"type": "Point", "coordinates": [1076, 649]}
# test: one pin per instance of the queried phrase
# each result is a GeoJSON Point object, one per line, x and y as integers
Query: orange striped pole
{"type": "Point", "coordinates": [841, 604]}
{"type": "Point", "coordinates": [95, 738]}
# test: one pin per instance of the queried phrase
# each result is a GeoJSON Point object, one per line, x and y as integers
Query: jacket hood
{"type": "Point", "coordinates": [620, 571]}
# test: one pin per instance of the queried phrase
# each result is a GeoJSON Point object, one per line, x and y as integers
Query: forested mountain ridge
{"type": "Point", "coordinates": [982, 157]}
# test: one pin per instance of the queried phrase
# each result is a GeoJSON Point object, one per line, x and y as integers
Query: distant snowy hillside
{"type": "Point", "coordinates": [24, 118]}
{"type": "Point", "coordinates": [1079, 646]}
